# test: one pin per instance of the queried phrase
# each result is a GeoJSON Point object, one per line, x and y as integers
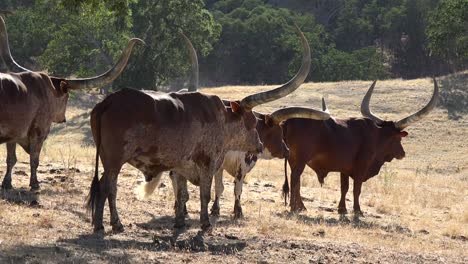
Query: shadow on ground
{"type": "Point", "coordinates": [454, 94]}
{"type": "Point", "coordinates": [353, 221]}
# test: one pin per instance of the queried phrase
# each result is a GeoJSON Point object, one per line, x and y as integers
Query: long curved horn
{"type": "Point", "coordinates": [110, 75]}
{"type": "Point", "coordinates": [401, 124]}
{"type": "Point", "coordinates": [5, 53]}
{"type": "Point", "coordinates": [193, 86]}
{"type": "Point", "coordinates": [324, 105]}
{"type": "Point", "coordinates": [298, 112]}
{"type": "Point", "coordinates": [365, 110]}
{"type": "Point", "coordinates": [253, 100]}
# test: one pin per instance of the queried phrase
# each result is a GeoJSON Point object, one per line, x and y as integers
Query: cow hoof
{"type": "Point", "coordinates": [179, 225]}
{"type": "Point", "coordinates": [214, 212]}
{"type": "Point", "coordinates": [358, 213]}
{"type": "Point", "coordinates": [342, 211]}
{"type": "Point", "coordinates": [7, 186]}
{"type": "Point", "coordinates": [207, 228]}
{"type": "Point", "coordinates": [35, 187]}
{"type": "Point", "coordinates": [99, 231]}
{"type": "Point", "coordinates": [117, 228]}
{"type": "Point", "coordinates": [238, 214]}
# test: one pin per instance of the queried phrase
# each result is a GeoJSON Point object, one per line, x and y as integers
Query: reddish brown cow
{"type": "Point", "coordinates": [355, 147]}
{"type": "Point", "coordinates": [31, 101]}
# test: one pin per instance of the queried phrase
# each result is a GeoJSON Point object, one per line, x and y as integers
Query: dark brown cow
{"type": "Point", "coordinates": [31, 101]}
{"type": "Point", "coordinates": [355, 147]}
{"type": "Point", "coordinates": [186, 133]}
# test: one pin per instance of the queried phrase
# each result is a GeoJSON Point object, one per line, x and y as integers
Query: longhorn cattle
{"type": "Point", "coordinates": [31, 101]}
{"type": "Point", "coordinates": [355, 147]}
{"type": "Point", "coordinates": [186, 133]}
{"type": "Point", "coordinates": [239, 163]}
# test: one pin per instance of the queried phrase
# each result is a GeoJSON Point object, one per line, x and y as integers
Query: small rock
{"type": "Point", "coordinates": [268, 185]}
{"type": "Point", "coordinates": [231, 237]}
{"type": "Point", "coordinates": [294, 245]}
{"type": "Point", "coordinates": [424, 231]}
{"type": "Point", "coordinates": [36, 215]}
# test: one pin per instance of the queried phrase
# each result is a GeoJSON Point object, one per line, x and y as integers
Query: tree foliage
{"type": "Point", "coordinates": [240, 41]}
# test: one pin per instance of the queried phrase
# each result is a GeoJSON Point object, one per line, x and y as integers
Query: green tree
{"type": "Point", "coordinates": [165, 56]}
{"type": "Point", "coordinates": [448, 32]}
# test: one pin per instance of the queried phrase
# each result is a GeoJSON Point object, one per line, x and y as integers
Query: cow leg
{"type": "Point", "coordinates": [205, 197]}
{"type": "Point", "coordinates": [105, 183]}
{"type": "Point", "coordinates": [219, 189]}
{"type": "Point", "coordinates": [239, 180]}
{"type": "Point", "coordinates": [296, 200]}
{"type": "Point", "coordinates": [173, 177]}
{"type": "Point", "coordinates": [344, 190]}
{"type": "Point", "coordinates": [11, 161]}
{"type": "Point", "coordinates": [34, 152]}
{"type": "Point", "coordinates": [357, 192]}
{"type": "Point", "coordinates": [117, 226]}
{"type": "Point", "coordinates": [181, 199]}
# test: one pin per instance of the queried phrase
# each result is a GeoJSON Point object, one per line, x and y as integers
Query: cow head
{"type": "Point", "coordinates": [271, 134]}
{"type": "Point", "coordinates": [391, 132]}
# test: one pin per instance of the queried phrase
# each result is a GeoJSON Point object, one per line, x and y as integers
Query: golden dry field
{"type": "Point", "coordinates": [416, 209]}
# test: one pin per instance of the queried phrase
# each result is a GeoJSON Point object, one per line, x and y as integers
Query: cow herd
{"type": "Point", "coordinates": [195, 136]}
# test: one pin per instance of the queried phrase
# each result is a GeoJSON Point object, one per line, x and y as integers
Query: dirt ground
{"type": "Point", "coordinates": [416, 209]}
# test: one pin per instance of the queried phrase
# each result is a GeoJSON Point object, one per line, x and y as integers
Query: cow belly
{"type": "Point", "coordinates": [238, 162]}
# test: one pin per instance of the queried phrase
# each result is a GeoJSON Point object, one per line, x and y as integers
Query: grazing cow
{"type": "Point", "coordinates": [355, 147]}
{"type": "Point", "coordinates": [239, 163]}
{"type": "Point", "coordinates": [186, 133]}
{"type": "Point", "coordinates": [31, 101]}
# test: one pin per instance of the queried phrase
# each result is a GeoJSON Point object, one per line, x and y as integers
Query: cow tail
{"type": "Point", "coordinates": [94, 190]}
{"type": "Point", "coordinates": [286, 184]}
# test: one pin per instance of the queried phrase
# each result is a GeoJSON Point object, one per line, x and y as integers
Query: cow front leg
{"type": "Point", "coordinates": [296, 201]}
{"type": "Point", "coordinates": [181, 200]}
{"type": "Point", "coordinates": [357, 192]}
{"type": "Point", "coordinates": [205, 197]}
{"type": "Point", "coordinates": [10, 161]}
{"type": "Point", "coordinates": [344, 190]}
{"type": "Point", "coordinates": [34, 153]}
{"type": "Point", "coordinates": [238, 183]}
{"type": "Point", "coordinates": [219, 189]}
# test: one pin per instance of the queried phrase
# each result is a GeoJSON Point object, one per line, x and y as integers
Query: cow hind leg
{"type": "Point", "coordinates": [356, 193]}
{"type": "Point", "coordinates": [100, 190]}
{"type": "Point", "coordinates": [11, 161]}
{"type": "Point", "coordinates": [181, 199]}
{"type": "Point", "coordinates": [205, 197]}
{"type": "Point", "coordinates": [173, 176]}
{"type": "Point", "coordinates": [344, 190]}
{"type": "Point", "coordinates": [238, 183]}
{"type": "Point", "coordinates": [296, 201]}
{"type": "Point", "coordinates": [117, 226]}
{"type": "Point", "coordinates": [34, 153]}
{"type": "Point", "coordinates": [219, 189]}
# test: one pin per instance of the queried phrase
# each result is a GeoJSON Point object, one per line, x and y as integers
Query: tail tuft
{"type": "Point", "coordinates": [286, 184]}
{"type": "Point", "coordinates": [145, 189]}
{"type": "Point", "coordinates": [93, 196]}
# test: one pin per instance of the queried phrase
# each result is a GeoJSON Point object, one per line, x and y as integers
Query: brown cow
{"type": "Point", "coordinates": [355, 147]}
{"type": "Point", "coordinates": [186, 133]}
{"type": "Point", "coordinates": [31, 101]}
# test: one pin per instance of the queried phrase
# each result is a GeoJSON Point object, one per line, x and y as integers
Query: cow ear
{"type": "Point", "coordinates": [403, 134]}
{"type": "Point", "coordinates": [64, 86]}
{"type": "Point", "coordinates": [268, 120]}
{"type": "Point", "coordinates": [235, 106]}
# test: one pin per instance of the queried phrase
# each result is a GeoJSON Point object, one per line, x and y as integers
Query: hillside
{"type": "Point", "coordinates": [416, 209]}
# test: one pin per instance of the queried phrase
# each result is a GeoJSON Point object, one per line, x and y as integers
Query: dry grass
{"type": "Point", "coordinates": [418, 205]}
